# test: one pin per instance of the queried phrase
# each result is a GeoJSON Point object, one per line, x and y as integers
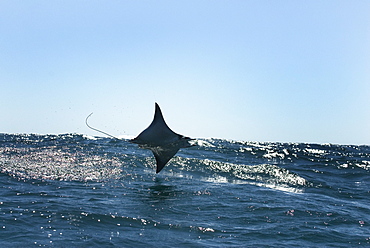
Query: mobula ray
{"type": "Point", "coordinates": [161, 140]}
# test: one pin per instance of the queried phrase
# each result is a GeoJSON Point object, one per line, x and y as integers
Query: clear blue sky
{"type": "Point", "coordinates": [289, 71]}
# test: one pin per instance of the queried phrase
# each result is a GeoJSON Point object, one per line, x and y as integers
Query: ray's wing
{"type": "Point", "coordinates": [162, 156]}
{"type": "Point", "coordinates": [158, 133]}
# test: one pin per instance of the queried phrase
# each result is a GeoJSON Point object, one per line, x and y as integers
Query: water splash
{"type": "Point", "coordinates": [56, 164]}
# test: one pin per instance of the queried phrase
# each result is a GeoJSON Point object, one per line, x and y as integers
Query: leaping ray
{"type": "Point", "coordinates": [161, 140]}
{"type": "Point", "coordinates": [158, 137]}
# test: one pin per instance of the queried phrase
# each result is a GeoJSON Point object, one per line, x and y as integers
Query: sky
{"type": "Point", "coordinates": [250, 70]}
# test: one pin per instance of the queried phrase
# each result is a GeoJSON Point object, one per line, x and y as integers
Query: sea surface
{"type": "Point", "coordinates": [74, 190]}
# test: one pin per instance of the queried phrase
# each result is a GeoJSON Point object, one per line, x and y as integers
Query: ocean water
{"type": "Point", "coordinates": [73, 190]}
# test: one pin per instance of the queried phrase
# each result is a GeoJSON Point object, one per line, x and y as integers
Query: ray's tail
{"type": "Point", "coordinates": [97, 130]}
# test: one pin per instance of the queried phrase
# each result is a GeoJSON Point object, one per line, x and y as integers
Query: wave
{"type": "Point", "coordinates": [266, 175]}
{"type": "Point", "coordinates": [75, 157]}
